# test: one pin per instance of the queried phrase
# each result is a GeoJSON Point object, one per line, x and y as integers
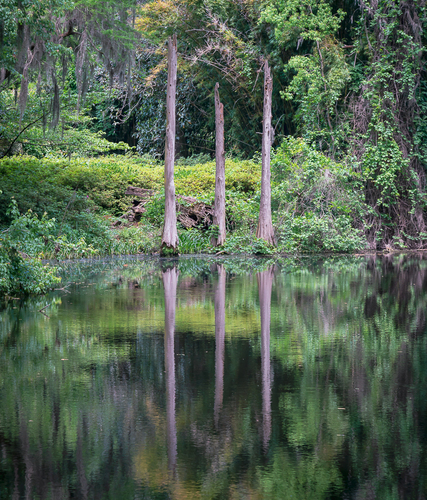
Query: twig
{"type": "Point", "coordinates": [17, 137]}
{"type": "Point", "coordinates": [42, 309]}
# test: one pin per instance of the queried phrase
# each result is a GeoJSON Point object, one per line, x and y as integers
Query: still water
{"type": "Point", "coordinates": [218, 379]}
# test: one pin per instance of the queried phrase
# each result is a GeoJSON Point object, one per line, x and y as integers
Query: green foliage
{"type": "Point", "coordinates": [21, 271]}
{"type": "Point", "coordinates": [84, 185]}
{"type": "Point", "coordinates": [199, 179]}
{"type": "Point", "coordinates": [246, 243]}
{"type": "Point", "coordinates": [73, 137]}
{"type": "Point", "coordinates": [23, 276]}
{"type": "Point", "coordinates": [319, 202]}
{"type": "Point", "coordinates": [144, 238]}
{"type": "Point", "coordinates": [49, 185]}
{"type": "Point", "coordinates": [242, 212]}
{"type": "Point", "coordinates": [317, 79]}
{"type": "Point", "coordinates": [309, 20]}
{"type": "Point", "coordinates": [383, 165]}
{"type": "Point", "coordinates": [310, 233]}
{"type": "Point", "coordinates": [50, 52]}
{"type": "Point", "coordinates": [192, 241]}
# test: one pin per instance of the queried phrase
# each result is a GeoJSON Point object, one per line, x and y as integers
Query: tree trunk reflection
{"type": "Point", "coordinates": [219, 341]}
{"type": "Point", "coordinates": [170, 280]}
{"type": "Point", "coordinates": [265, 283]}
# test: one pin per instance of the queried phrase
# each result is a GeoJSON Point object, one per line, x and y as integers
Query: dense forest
{"type": "Point", "coordinates": [83, 117]}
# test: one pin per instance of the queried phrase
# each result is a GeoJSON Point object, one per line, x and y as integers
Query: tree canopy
{"type": "Point", "coordinates": [348, 78]}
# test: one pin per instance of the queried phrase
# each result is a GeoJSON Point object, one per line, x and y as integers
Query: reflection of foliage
{"type": "Point", "coordinates": [347, 351]}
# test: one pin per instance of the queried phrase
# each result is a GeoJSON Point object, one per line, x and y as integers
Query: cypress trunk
{"type": "Point", "coordinates": [170, 234]}
{"type": "Point", "coordinates": [219, 209]}
{"type": "Point", "coordinates": [265, 225]}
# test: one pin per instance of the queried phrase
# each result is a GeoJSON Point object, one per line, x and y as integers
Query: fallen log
{"type": "Point", "coordinates": [190, 211]}
{"type": "Point", "coordinates": [193, 213]}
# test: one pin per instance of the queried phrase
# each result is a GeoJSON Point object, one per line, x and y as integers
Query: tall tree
{"type": "Point", "coordinates": [219, 210]}
{"type": "Point", "coordinates": [170, 234]}
{"type": "Point", "coordinates": [222, 42]}
{"type": "Point", "coordinates": [265, 225]}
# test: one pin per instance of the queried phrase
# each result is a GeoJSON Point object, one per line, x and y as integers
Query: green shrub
{"type": "Point", "coordinates": [58, 185]}
{"type": "Point", "coordinates": [19, 275]}
{"type": "Point", "coordinates": [194, 241]}
{"type": "Point", "coordinates": [242, 212]}
{"type": "Point", "coordinates": [243, 242]}
{"type": "Point", "coordinates": [144, 238]}
{"type": "Point", "coordinates": [310, 233]}
{"type": "Point", "coordinates": [318, 203]}
{"type": "Point", "coordinates": [199, 180]}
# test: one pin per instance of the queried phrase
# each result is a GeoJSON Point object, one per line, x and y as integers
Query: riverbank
{"type": "Point", "coordinates": [53, 208]}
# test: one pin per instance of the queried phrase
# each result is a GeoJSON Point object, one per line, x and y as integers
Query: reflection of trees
{"type": "Point", "coordinates": [219, 341]}
{"type": "Point", "coordinates": [353, 334]}
{"type": "Point", "coordinates": [170, 280]}
{"type": "Point", "coordinates": [265, 283]}
{"type": "Point", "coordinates": [345, 336]}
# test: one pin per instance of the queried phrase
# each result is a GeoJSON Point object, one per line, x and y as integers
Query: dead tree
{"type": "Point", "coordinates": [170, 235]}
{"type": "Point", "coordinates": [219, 210]}
{"type": "Point", "coordinates": [265, 225]}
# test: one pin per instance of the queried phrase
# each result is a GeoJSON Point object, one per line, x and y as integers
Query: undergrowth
{"type": "Point", "coordinates": [60, 209]}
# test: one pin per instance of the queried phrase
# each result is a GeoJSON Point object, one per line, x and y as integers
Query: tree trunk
{"type": "Point", "coordinates": [170, 234]}
{"type": "Point", "coordinates": [265, 282]}
{"type": "Point", "coordinates": [170, 280]}
{"type": "Point", "coordinates": [219, 209]}
{"type": "Point", "coordinates": [219, 341]}
{"type": "Point", "coordinates": [265, 225]}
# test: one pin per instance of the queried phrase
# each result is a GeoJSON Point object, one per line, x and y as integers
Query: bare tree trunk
{"type": "Point", "coordinates": [265, 282]}
{"type": "Point", "coordinates": [219, 211]}
{"type": "Point", "coordinates": [219, 341]}
{"type": "Point", "coordinates": [170, 280]}
{"type": "Point", "coordinates": [265, 225]}
{"type": "Point", "coordinates": [170, 234]}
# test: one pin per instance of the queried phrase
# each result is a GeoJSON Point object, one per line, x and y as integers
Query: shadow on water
{"type": "Point", "coordinates": [218, 378]}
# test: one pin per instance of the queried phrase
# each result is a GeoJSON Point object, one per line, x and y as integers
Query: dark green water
{"type": "Point", "coordinates": [228, 379]}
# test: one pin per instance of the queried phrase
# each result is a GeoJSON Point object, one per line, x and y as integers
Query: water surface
{"type": "Point", "coordinates": [218, 379]}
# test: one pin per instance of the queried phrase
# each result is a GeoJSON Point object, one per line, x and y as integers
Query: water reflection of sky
{"type": "Point", "coordinates": [207, 378]}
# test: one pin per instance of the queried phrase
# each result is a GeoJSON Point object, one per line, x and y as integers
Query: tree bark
{"type": "Point", "coordinates": [170, 235]}
{"type": "Point", "coordinates": [170, 280]}
{"type": "Point", "coordinates": [219, 341]}
{"type": "Point", "coordinates": [265, 225]}
{"type": "Point", "coordinates": [265, 283]}
{"type": "Point", "coordinates": [219, 209]}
